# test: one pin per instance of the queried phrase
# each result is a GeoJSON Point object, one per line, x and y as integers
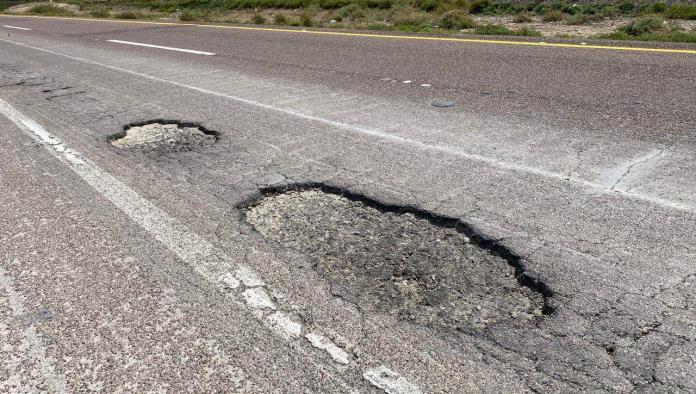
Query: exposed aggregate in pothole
{"type": "Point", "coordinates": [397, 262]}
{"type": "Point", "coordinates": [161, 137]}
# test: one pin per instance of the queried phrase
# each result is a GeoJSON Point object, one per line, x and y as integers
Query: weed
{"type": "Point", "coordinates": [522, 18]}
{"type": "Point", "coordinates": [553, 16]}
{"type": "Point", "coordinates": [50, 10]}
{"type": "Point", "coordinates": [682, 11]}
{"type": "Point", "coordinates": [258, 19]}
{"type": "Point", "coordinates": [498, 30]}
{"type": "Point", "coordinates": [428, 5]}
{"type": "Point", "coordinates": [578, 19]}
{"type": "Point", "coordinates": [479, 6]}
{"type": "Point", "coordinates": [643, 25]}
{"type": "Point", "coordinates": [456, 20]}
{"type": "Point", "coordinates": [126, 15]}
{"type": "Point", "coordinates": [659, 7]}
{"type": "Point", "coordinates": [352, 11]}
{"type": "Point", "coordinates": [280, 19]}
{"type": "Point", "coordinates": [186, 16]}
{"type": "Point", "coordinates": [379, 4]}
{"type": "Point", "coordinates": [412, 22]}
{"type": "Point", "coordinates": [306, 20]}
{"type": "Point", "coordinates": [668, 36]}
{"type": "Point", "coordinates": [100, 13]}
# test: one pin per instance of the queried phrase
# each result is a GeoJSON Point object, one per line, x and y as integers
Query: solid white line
{"type": "Point", "coordinates": [16, 27]}
{"type": "Point", "coordinates": [600, 188]}
{"type": "Point", "coordinates": [203, 256]}
{"type": "Point", "coordinates": [140, 44]}
{"type": "Point", "coordinates": [31, 341]}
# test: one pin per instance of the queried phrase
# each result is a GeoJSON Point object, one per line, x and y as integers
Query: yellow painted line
{"type": "Point", "coordinates": [382, 36]}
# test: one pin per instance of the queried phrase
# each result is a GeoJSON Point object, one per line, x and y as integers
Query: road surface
{"type": "Point", "coordinates": [127, 270]}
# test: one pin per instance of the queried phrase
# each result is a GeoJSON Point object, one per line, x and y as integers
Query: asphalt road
{"type": "Point", "coordinates": [124, 270]}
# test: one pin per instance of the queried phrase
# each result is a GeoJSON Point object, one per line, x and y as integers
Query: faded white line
{"type": "Point", "coordinates": [321, 342]}
{"type": "Point", "coordinates": [395, 138]}
{"type": "Point", "coordinates": [31, 341]}
{"type": "Point", "coordinates": [390, 381]}
{"type": "Point", "coordinates": [140, 44]}
{"type": "Point", "coordinates": [200, 254]}
{"type": "Point", "coordinates": [16, 27]}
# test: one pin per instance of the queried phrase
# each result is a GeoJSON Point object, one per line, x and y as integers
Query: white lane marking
{"type": "Point", "coordinates": [257, 298]}
{"type": "Point", "coordinates": [426, 85]}
{"type": "Point", "coordinates": [390, 381]}
{"type": "Point", "coordinates": [16, 27]}
{"type": "Point", "coordinates": [31, 341]}
{"type": "Point", "coordinates": [321, 342]}
{"type": "Point", "coordinates": [594, 186]}
{"type": "Point", "coordinates": [229, 281]}
{"type": "Point", "coordinates": [247, 276]}
{"type": "Point", "coordinates": [187, 245]}
{"type": "Point", "coordinates": [140, 44]}
{"type": "Point", "coordinates": [279, 321]}
{"type": "Point", "coordinates": [407, 81]}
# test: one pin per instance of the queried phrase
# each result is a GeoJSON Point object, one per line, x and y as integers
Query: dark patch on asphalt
{"type": "Point", "coordinates": [442, 103]}
{"type": "Point", "coordinates": [160, 136]}
{"type": "Point", "coordinates": [39, 316]}
{"type": "Point", "coordinates": [423, 268]}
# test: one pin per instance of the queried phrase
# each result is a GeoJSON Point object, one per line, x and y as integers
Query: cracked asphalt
{"type": "Point", "coordinates": [127, 271]}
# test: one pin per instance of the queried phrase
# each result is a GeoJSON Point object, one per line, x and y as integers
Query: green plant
{"type": "Point", "coordinates": [126, 15]}
{"type": "Point", "coordinates": [258, 19]}
{"type": "Point", "coordinates": [100, 13]}
{"type": "Point", "coordinates": [456, 20]}
{"type": "Point", "coordinates": [427, 5]}
{"type": "Point", "coordinates": [498, 30]}
{"type": "Point", "coordinates": [378, 26]}
{"type": "Point", "coordinates": [352, 11]}
{"type": "Point", "coordinates": [50, 10]}
{"type": "Point", "coordinates": [412, 22]}
{"type": "Point", "coordinates": [659, 7]}
{"type": "Point", "coordinates": [280, 19]}
{"type": "Point", "coordinates": [553, 16]}
{"type": "Point", "coordinates": [186, 16]}
{"type": "Point", "coordinates": [479, 6]}
{"type": "Point", "coordinates": [522, 18]}
{"type": "Point", "coordinates": [626, 6]}
{"type": "Point", "coordinates": [665, 36]}
{"type": "Point", "coordinates": [643, 25]}
{"type": "Point", "coordinates": [306, 20]}
{"type": "Point", "coordinates": [682, 11]}
{"type": "Point", "coordinates": [578, 19]}
{"type": "Point", "coordinates": [380, 4]}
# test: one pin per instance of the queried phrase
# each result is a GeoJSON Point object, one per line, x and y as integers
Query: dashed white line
{"type": "Point", "coordinates": [140, 44]}
{"type": "Point", "coordinates": [321, 342]}
{"type": "Point", "coordinates": [15, 27]}
{"type": "Point", "coordinates": [196, 251]}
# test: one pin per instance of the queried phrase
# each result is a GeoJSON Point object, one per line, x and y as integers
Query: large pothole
{"type": "Point", "coordinates": [164, 136]}
{"type": "Point", "coordinates": [423, 268]}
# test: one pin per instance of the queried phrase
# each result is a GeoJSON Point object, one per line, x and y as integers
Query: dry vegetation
{"type": "Point", "coordinates": [624, 20]}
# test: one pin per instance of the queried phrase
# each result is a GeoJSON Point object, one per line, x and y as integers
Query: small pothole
{"type": "Point", "coordinates": [164, 136]}
{"type": "Point", "coordinates": [424, 268]}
